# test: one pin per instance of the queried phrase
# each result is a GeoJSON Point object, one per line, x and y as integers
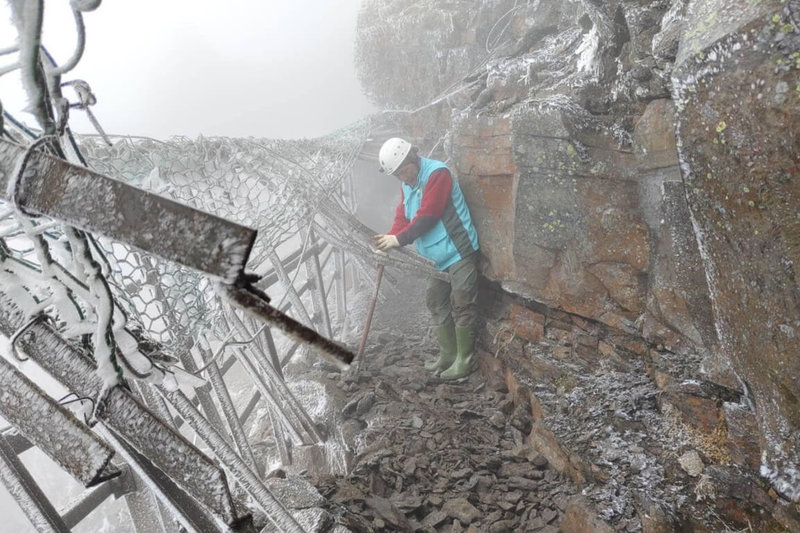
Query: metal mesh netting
{"type": "Point", "coordinates": [275, 186]}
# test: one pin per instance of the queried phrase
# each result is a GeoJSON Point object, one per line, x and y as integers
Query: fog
{"type": "Point", "coordinates": [277, 69]}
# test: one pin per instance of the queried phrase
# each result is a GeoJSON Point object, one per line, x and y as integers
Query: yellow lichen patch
{"type": "Point", "coordinates": [712, 445]}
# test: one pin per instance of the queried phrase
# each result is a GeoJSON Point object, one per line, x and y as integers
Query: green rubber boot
{"type": "Point", "coordinates": [465, 363]}
{"type": "Point", "coordinates": [446, 335]}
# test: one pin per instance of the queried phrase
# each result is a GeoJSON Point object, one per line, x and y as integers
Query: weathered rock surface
{"type": "Point", "coordinates": [739, 111]}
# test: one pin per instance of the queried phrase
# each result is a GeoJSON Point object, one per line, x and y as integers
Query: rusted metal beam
{"type": "Point", "coordinates": [173, 454]}
{"type": "Point", "coordinates": [64, 439]}
{"type": "Point", "coordinates": [258, 307]}
{"type": "Point", "coordinates": [93, 202]}
{"type": "Point", "coordinates": [27, 494]}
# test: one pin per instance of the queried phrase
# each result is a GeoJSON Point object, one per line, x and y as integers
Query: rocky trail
{"type": "Point", "coordinates": [436, 456]}
{"type": "Point", "coordinates": [424, 454]}
{"type": "Point", "coordinates": [581, 442]}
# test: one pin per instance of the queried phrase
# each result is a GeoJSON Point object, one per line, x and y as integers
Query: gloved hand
{"type": "Point", "coordinates": [384, 242]}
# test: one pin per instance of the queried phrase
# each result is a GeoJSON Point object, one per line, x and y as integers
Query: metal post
{"type": "Point", "coordinates": [142, 506]}
{"type": "Point", "coordinates": [26, 492]}
{"type": "Point", "coordinates": [99, 204]}
{"type": "Point", "coordinates": [171, 452]}
{"type": "Point", "coordinates": [192, 516]}
{"type": "Point", "coordinates": [248, 480]}
{"type": "Point", "coordinates": [341, 288]}
{"type": "Point", "coordinates": [203, 393]}
{"type": "Point", "coordinates": [119, 486]}
{"type": "Point", "coordinates": [274, 387]}
{"type": "Point", "coordinates": [292, 423]}
{"type": "Point", "coordinates": [372, 303]}
{"type": "Point", "coordinates": [258, 307]}
{"type": "Point", "coordinates": [300, 309]}
{"type": "Point", "coordinates": [314, 271]}
{"type": "Point", "coordinates": [63, 438]}
{"type": "Point", "coordinates": [239, 437]}
{"type": "Point", "coordinates": [280, 437]}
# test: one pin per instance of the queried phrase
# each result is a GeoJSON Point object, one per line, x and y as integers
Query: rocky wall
{"type": "Point", "coordinates": [736, 86]}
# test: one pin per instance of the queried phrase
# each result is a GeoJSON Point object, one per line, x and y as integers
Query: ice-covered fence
{"type": "Point", "coordinates": [66, 287]}
{"type": "Point", "coordinates": [275, 186]}
{"type": "Point", "coordinates": [91, 292]}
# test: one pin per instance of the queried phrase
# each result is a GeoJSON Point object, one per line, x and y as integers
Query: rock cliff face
{"type": "Point", "coordinates": [632, 168]}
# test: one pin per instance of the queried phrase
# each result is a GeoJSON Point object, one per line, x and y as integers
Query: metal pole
{"type": "Point", "coordinates": [371, 311]}
{"type": "Point", "coordinates": [341, 288]}
{"type": "Point", "coordinates": [63, 437]}
{"type": "Point", "coordinates": [224, 397]}
{"type": "Point", "coordinates": [171, 452]}
{"type": "Point", "coordinates": [255, 305]}
{"type": "Point", "coordinates": [299, 308]}
{"type": "Point", "coordinates": [314, 271]}
{"type": "Point", "coordinates": [99, 204]}
{"type": "Point", "coordinates": [26, 492]}
{"type": "Point", "coordinates": [247, 479]}
{"type": "Point", "coordinates": [275, 390]}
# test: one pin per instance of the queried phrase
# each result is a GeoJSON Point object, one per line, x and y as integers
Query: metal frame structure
{"type": "Point", "coordinates": [144, 423]}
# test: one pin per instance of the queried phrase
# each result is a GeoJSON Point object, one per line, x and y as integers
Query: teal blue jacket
{"type": "Point", "coordinates": [453, 237]}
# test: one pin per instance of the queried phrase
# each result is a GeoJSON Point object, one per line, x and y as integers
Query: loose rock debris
{"type": "Point", "coordinates": [437, 456]}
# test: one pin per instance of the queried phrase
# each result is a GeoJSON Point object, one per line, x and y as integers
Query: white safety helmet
{"type": "Point", "coordinates": [393, 153]}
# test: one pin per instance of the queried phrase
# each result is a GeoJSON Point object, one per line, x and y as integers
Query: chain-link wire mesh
{"type": "Point", "coordinates": [275, 186]}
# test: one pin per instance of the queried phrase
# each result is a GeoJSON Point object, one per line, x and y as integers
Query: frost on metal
{"type": "Point", "coordinates": [99, 204]}
{"type": "Point", "coordinates": [27, 494]}
{"type": "Point", "coordinates": [248, 301]}
{"type": "Point", "coordinates": [63, 438]}
{"type": "Point", "coordinates": [172, 453]}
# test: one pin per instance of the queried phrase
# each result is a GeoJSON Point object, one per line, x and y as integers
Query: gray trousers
{"type": "Point", "coordinates": [456, 299]}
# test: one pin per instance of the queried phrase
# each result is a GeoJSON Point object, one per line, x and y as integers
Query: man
{"type": "Point", "coordinates": [433, 213]}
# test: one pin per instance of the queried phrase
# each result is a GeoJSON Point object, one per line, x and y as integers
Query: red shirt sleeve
{"type": "Point", "coordinates": [400, 221]}
{"type": "Point", "coordinates": [434, 199]}
{"type": "Point", "coordinates": [436, 194]}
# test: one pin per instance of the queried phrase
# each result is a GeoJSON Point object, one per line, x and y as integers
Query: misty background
{"type": "Point", "coordinates": [241, 68]}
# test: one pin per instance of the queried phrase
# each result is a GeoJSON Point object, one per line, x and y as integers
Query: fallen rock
{"type": "Point", "coordinates": [691, 463]}
{"type": "Point", "coordinates": [462, 510]}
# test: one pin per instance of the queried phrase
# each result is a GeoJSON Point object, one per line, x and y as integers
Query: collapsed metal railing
{"type": "Point", "coordinates": [95, 349]}
{"type": "Point", "coordinates": [126, 422]}
{"type": "Point", "coordinates": [254, 348]}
